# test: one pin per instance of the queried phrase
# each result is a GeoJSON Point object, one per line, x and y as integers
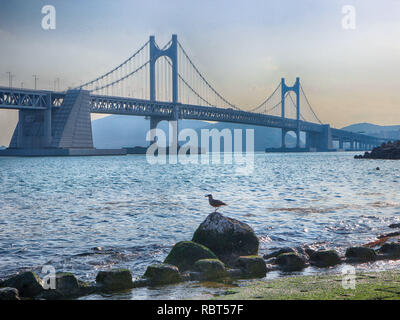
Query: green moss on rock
{"type": "Point", "coordinates": [184, 254]}
{"type": "Point", "coordinates": [252, 266]}
{"type": "Point", "coordinates": [210, 269]}
{"type": "Point", "coordinates": [161, 274]}
{"type": "Point", "coordinates": [118, 279]}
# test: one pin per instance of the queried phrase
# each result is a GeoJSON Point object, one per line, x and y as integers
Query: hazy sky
{"type": "Point", "coordinates": [244, 48]}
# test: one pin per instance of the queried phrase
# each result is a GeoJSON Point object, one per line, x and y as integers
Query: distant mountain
{"type": "Point", "coordinates": [117, 131]}
{"type": "Point", "coordinates": [390, 132]}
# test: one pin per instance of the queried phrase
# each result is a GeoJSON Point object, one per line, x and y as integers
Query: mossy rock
{"type": "Point", "coordinates": [291, 261]}
{"type": "Point", "coordinates": [9, 294]}
{"type": "Point", "coordinates": [361, 254]}
{"type": "Point", "coordinates": [67, 286]}
{"type": "Point", "coordinates": [119, 279]}
{"type": "Point", "coordinates": [162, 274]}
{"type": "Point", "coordinates": [252, 266]}
{"type": "Point", "coordinates": [228, 238]}
{"type": "Point", "coordinates": [184, 254]}
{"type": "Point", "coordinates": [210, 269]}
{"type": "Point", "coordinates": [325, 258]}
{"type": "Point", "coordinates": [276, 253]}
{"type": "Point", "coordinates": [27, 283]}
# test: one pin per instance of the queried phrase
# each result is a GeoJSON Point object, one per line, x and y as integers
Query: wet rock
{"type": "Point", "coordinates": [185, 276]}
{"type": "Point", "coordinates": [252, 266]}
{"type": "Point", "coordinates": [184, 255]}
{"type": "Point", "coordinates": [210, 269]}
{"type": "Point", "coordinates": [390, 234]}
{"type": "Point", "coordinates": [291, 261]}
{"type": "Point", "coordinates": [162, 274]}
{"type": "Point", "coordinates": [228, 238]}
{"type": "Point", "coordinates": [194, 275]}
{"type": "Point", "coordinates": [67, 286]}
{"type": "Point", "coordinates": [309, 251]}
{"type": "Point", "coordinates": [119, 279]}
{"type": "Point", "coordinates": [390, 250]}
{"type": "Point", "coordinates": [325, 258]}
{"type": "Point", "coordinates": [140, 283]}
{"type": "Point", "coordinates": [234, 273]}
{"type": "Point", "coordinates": [8, 293]}
{"type": "Point", "coordinates": [27, 283]}
{"type": "Point", "coordinates": [360, 254]}
{"type": "Point", "coordinates": [276, 253]}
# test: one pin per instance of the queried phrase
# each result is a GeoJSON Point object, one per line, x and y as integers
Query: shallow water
{"type": "Point", "coordinates": [56, 210]}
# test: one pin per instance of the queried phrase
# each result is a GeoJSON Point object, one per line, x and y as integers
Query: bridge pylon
{"type": "Point", "coordinates": [296, 89]}
{"type": "Point", "coordinates": [172, 53]}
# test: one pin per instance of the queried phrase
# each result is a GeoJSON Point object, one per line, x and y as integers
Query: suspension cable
{"type": "Point", "coordinates": [309, 105]}
{"type": "Point", "coordinates": [123, 78]}
{"type": "Point", "coordinates": [266, 100]}
{"type": "Point", "coordinates": [206, 82]}
{"type": "Point", "coordinates": [116, 68]}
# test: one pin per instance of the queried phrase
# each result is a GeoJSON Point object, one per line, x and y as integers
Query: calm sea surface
{"type": "Point", "coordinates": [57, 210]}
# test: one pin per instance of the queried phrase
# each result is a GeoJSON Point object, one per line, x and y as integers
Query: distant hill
{"type": "Point", "coordinates": [390, 132]}
{"type": "Point", "coordinates": [117, 131]}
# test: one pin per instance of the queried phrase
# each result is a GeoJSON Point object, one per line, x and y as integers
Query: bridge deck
{"type": "Point", "coordinates": [42, 99]}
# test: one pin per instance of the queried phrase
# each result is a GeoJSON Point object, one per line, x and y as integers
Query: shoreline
{"type": "Point", "coordinates": [378, 285]}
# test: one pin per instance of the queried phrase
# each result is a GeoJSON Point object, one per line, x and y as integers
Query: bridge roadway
{"type": "Point", "coordinates": [319, 136]}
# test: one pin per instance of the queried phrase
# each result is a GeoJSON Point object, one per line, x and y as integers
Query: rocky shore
{"type": "Point", "coordinates": [221, 249]}
{"type": "Point", "coordinates": [389, 151]}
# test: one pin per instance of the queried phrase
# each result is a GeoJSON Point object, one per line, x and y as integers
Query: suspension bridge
{"type": "Point", "coordinates": [160, 83]}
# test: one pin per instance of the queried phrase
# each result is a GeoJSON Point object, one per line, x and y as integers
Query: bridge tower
{"type": "Point", "coordinates": [296, 89]}
{"type": "Point", "coordinates": [172, 53]}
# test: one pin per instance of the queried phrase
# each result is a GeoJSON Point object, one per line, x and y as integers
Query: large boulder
{"type": "Point", "coordinates": [252, 266]}
{"type": "Point", "coordinates": [119, 279]}
{"type": "Point", "coordinates": [8, 293]}
{"type": "Point", "coordinates": [27, 283]}
{"type": "Point", "coordinates": [291, 261]}
{"type": "Point", "coordinates": [228, 238]}
{"type": "Point", "coordinates": [184, 255]}
{"type": "Point", "coordinates": [210, 269]}
{"type": "Point", "coordinates": [162, 274]}
{"type": "Point", "coordinates": [360, 254]}
{"type": "Point", "coordinates": [325, 258]}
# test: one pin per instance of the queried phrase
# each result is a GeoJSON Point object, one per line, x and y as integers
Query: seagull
{"type": "Point", "coordinates": [214, 202]}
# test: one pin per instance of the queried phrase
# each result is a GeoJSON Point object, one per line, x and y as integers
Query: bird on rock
{"type": "Point", "coordinates": [214, 202]}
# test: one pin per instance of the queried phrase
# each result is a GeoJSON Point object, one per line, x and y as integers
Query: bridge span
{"type": "Point", "coordinates": [61, 120]}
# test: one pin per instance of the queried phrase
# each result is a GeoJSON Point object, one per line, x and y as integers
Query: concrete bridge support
{"type": "Point", "coordinates": [320, 141]}
{"type": "Point", "coordinates": [66, 127]}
